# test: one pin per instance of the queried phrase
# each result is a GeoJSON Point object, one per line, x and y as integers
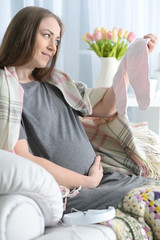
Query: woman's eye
{"type": "Point", "coordinates": [57, 42]}
{"type": "Point", "coordinates": [47, 35]}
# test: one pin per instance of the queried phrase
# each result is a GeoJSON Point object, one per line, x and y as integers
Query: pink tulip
{"type": "Point", "coordinates": [114, 35]}
{"type": "Point", "coordinates": [126, 34]}
{"type": "Point", "coordinates": [89, 37]}
{"type": "Point", "coordinates": [97, 29]}
{"type": "Point", "coordinates": [121, 32]}
{"type": "Point", "coordinates": [114, 38]}
{"type": "Point", "coordinates": [115, 31]}
{"type": "Point", "coordinates": [84, 38]}
{"type": "Point", "coordinates": [97, 36]}
{"type": "Point", "coordinates": [131, 37]}
{"type": "Point", "coordinates": [109, 35]}
{"type": "Point", "coordinates": [104, 31]}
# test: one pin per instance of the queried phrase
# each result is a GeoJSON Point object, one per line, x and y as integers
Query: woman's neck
{"type": "Point", "coordinates": [24, 74]}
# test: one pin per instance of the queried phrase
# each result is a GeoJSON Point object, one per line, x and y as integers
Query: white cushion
{"type": "Point", "coordinates": [20, 218]}
{"type": "Point", "coordinates": [21, 176]}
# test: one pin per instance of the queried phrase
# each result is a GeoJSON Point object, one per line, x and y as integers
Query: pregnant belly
{"type": "Point", "coordinates": [78, 158]}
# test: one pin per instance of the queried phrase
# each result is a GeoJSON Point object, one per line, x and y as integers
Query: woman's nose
{"type": "Point", "coordinates": [52, 45]}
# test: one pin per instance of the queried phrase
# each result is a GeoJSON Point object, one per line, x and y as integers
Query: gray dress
{"type": "Point", "coordinates": [53, 131]}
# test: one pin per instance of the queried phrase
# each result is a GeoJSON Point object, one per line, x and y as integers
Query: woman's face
{"type": "Point", "coordinates": [47, 40]}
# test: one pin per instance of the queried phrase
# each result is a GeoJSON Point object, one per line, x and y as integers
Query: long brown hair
{"type": "Point", "coordinates": [19, 39]}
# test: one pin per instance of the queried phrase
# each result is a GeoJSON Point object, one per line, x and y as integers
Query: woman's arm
{"type": "Point", "coordinates": [106, 107]}
{"type": "Point", "coordinates": [62, 175]}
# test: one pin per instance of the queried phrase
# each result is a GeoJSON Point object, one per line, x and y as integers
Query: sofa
{"type": "Point", "coordinates": [31, 205]}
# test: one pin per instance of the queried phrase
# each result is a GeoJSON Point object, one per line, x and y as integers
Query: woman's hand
{"type": "Point", "coordinates": [95, 173]}
{"type": "Point", "coordinates": [63, 176]}
{"type": "Point", "coordinates": [152, 42]}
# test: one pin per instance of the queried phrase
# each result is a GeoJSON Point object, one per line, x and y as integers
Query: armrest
{"type": "Point", "coordinates": [20, 218]}
{"type": "Point", "coordinates": [22, 176]}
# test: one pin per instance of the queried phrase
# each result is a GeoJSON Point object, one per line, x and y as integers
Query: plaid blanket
{"type": "Point", "coordinates": [123, 146]}
{"type": "Point", "coordinates": [11, 101]}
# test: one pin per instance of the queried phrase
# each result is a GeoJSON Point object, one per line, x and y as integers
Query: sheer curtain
{"type": "Point", "coordinates": [80, 16]}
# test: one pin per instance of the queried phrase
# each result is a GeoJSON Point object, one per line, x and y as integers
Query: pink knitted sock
{"type": "Point", "coordinates": [138, 71]}
{"type": "Point", "coordinates": [135, 63]}
{"type": "Point", "coordinates": [120, 89]}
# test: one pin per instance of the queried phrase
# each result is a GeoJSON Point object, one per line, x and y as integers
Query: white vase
{"type": "Point", "coordinates": [109, 66]}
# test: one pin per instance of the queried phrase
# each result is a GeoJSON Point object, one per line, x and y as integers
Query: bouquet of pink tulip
{"type": "Point", "coordinates": [107, 43]}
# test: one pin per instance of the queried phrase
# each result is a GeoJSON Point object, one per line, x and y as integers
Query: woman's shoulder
{"type": "Point", "coordinates": [60, 74]}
